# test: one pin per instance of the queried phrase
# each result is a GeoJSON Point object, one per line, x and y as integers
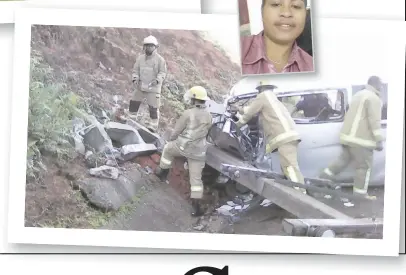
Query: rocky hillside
{"type": "Point", "coordinates": [89, 70]}
{"type": "Point", "coordinates": [96, 63]}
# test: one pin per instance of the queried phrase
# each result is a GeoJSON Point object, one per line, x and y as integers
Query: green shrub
{"type": "Point", "coordinates": [51, 108]}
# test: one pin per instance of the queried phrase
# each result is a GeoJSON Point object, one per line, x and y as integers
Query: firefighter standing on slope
{"type": "Point", "coordinates": [360, 135]}
{"type": "Point", "coordinates": [148, 74]}
{"type": "Point", "coordinates": [279, 129]}
{"type": "Point", "coordinates": [188, 139]}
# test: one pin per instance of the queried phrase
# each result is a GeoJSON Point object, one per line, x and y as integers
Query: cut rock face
{"type": "Point", "coordinates": [132, 151]}
{"type": "Point", "coordinates": [123, 133]}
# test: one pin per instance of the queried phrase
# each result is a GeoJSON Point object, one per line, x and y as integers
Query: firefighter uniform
{"type": "Point", "coordinates": [188, 140]}
{"type": "Point", "coordinates": [148, 74]}
{"type": "Point", "coordinates": [279, 130]}
{"type": "Point", "coordinates": [360, 135]}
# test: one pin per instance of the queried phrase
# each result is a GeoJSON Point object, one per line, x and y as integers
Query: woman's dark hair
{"type": "Point", "coordinates": [263, 3]}
{"type": "Point", "coordinates": [304, 40]}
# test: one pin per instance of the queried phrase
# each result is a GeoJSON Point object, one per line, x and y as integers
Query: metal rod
{"type": "Point", "coordinates": [235, 171]}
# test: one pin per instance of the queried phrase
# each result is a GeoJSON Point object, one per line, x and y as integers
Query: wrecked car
{"type": "Point", "coordinates": [319, 134]}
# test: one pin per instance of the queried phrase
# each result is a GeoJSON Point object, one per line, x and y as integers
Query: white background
{"type": "Point", "coordinates": [180, 264]}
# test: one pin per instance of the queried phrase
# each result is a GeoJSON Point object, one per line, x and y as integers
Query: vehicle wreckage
{"type": "Point", "coordinates": [237, 157]}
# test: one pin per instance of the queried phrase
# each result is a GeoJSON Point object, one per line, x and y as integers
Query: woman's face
{"type": "Point", "coordinates": [283, 20]}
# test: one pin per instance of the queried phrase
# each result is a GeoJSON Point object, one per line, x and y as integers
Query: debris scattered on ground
{"type": "Point", "coordinates": [348, 204]}
{"type": "Point", "coordinates": [225, 210]}
{"type": "Point", "coordinates": [105, 172]}
{"type": "Point", "coordinates": [199, 227]}
{"type": "Point", "coordinates": [111, 163]}
{"type": "Point", "coordinates": [148, 170]}
{"type": "Point", "coordinates": [266, 203]}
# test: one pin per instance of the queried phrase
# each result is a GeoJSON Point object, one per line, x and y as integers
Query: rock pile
{"type": "Point", "coordinates": [104, 146]}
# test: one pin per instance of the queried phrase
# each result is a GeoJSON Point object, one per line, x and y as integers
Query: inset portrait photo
{"type": "Point", "coordinates": [276, 37]}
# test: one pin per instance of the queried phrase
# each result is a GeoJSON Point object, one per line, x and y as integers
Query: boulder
{"type": "Point", "coordinates": [108, 194]}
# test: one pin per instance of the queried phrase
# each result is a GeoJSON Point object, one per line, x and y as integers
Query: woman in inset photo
{"type": "Point", "coordinates": [275, 49]}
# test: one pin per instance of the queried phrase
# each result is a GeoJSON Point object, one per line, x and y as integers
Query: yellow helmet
{"type": "Point", "coordinates": [198, 92]}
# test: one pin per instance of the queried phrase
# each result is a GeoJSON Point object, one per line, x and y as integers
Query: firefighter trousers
{"type": "Point", "coordinates": [289, 163]}
{"type": "Point", "coordinates": [169, 153]}
{"type": "Point", "coordinates": [362, 157]}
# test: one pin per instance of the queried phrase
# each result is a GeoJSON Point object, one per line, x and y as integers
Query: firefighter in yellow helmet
{"type": "Point", "coordinates": [148, 74]}
{"type": "Point", "coordinates": [361, 134]}
{"type": "Point", "coordinates": [279, 130]}
{"type": "Point", "coordinates": [188, 139]}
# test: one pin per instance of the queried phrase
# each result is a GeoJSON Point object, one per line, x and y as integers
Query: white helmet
{"type": "Point", "coordinates": [150, 40]}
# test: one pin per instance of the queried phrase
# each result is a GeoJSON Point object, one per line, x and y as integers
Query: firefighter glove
{"type": "Point", "coordinates": [379, 146]}
{"type": "Point", "coordinates": [154, 83]}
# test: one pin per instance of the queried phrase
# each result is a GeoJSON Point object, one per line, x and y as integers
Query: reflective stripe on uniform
{"type": "Point", "coordinates": [165, 161]}
{"type": "Point", "coordinates": [359, 191]}
{"type": "Point", "coordinates": [377, 133]}
{"type": "Point", "coordinates": [359, 141]}
{"type": "Point", "coordinates": [358, 116]}
{"type": "Point", "coordinates": [367, 176]}
{"type": "Point", "coordinates": [196, 188]}
{"type": "Point", "coordinates": [292, 174]}
{"type": "Point", "coordinates": [282, 137]}
{"type": "Point", "coordinates": [278, 113]}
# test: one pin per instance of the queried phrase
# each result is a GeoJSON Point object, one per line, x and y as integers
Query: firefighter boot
{"type": "Point", "coordinates": [196, 208]}
{"type": "Point", "coordinates": [162, 174]}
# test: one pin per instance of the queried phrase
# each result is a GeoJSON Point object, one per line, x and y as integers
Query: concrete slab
{"type": "Point", "coordinates": [97, 138]}
{"type": "Point", "coordinates": [146, 135]}
{"type": "Point", "coordinates": [123, 133]}
{"type": "Point", "coordinates": [132, 151]}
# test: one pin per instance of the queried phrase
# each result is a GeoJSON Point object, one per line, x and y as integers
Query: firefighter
{"type": "Point", "coordinates": [188, 139]}
{"type": "Point", "coordinates": [148, 74]}
{"type": "Point", "coordinates": [360, 136]}
{"type": "Point", "coordinates": [279, 129]}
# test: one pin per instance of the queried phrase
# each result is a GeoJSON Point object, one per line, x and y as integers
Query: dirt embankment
{"type": "Point", "coordinates": [95, 65]}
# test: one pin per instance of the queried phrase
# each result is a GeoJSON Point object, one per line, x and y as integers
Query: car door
{"type": "Point", "coordinates": [320, 142]}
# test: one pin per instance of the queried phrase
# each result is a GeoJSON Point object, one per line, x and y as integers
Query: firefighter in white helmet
{"type": "Point", "coordinates": [148, 74]}
{"type": "Point", "coordinates": [279, 130]}
{"type": "Point", "coordinates": [188, 139]}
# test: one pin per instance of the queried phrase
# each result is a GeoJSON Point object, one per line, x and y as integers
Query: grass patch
{"type": "Point", "coordinates": [50, 114]}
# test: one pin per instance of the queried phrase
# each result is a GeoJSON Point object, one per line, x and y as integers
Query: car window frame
{"type": "Point", "coordinates": [309, 121]}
